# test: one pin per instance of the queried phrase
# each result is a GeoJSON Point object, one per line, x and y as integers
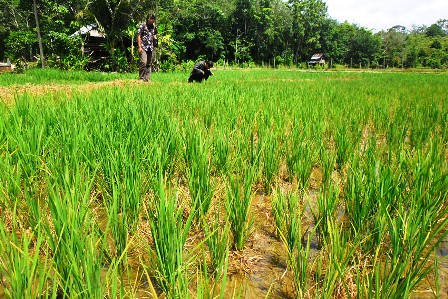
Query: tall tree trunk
{"type": "Point", "coordinates": [41, 49]}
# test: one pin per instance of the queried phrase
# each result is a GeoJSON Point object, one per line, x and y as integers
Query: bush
{"type": "Point", "coordinates": [20, 66]}
{"type": "Point", "coordinates": [69, 62]}
{"type": "Point", "coordinates": [19, 44]}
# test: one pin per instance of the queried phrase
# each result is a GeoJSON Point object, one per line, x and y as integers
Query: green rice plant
{"type": "Point", "coordinates": [194, 144]}
{"type": "Point", "coordinates": [24, 152]}
{"type": "Point", "coordinates": [421, 129]}
{"type": "Point", "coordinates": [217, 241]}
{"type": "Point", "coordinates": [412, 243]}
{"type": "Point", "coordinates": [26, 138]}
{"type": "Point", "coordinates": [120, 152]}
{"type": "Point", "coordinates": [221, 152]}
{"type": "Point", "coordinates": [159, 145]}
{"type": "Point", "coordinates": [271, 160]}
{"type": "Point", "coordinates": [300, 161]}
{"type": "Point", "coordinates": [169, 143]}
{"type": "Point", "coordinates": [208, 286]}
{"type": "Point", "coordinates": [73, 77]}
{"type": "Point", "coordinates": [343, 145]}
{"type": "Point", "coordinates": [327, 160]}
{"type": "Point", "coordinates": [363, 191]}
{"type": "Point", "coordinates": [339, 256]}
{"type": "Point", "coordinates": [23, 262]}
{"type": "Point", "coordinates": [326, 212]}
{"type": "Point", "coordinates": [117, 224]}
{"type": "Point", "coordinates": [169, 233]}
{"type": "Point", "coordinates": [121, 186]}
{"type": "Point", "coordinates": [249, 148]}
{"type": "Point", "coordinates": [74, 241]}
{"type": "Point", "coordinates": [122, 203]}
{"type": "Point", "coordinates": [288, 213]}
{"type": "Point", "coordinates": [238, 202]}
{"type": "Point", "coordinates": [199, 182]}
{"type": "Point", "coordinates": [374, 188]}
{"type": "Point", "coordinates": [414, 219]}
{"type": "Point", "coordinates": [299, 260]}
{"type": "Point", "coordinates": [10, 180]}
{"type": "Point", "coordinates": [240, 157]}
{"type": "Point", "coordinates": [255, 149]}
{"type": "Point", "coordinates": [396, 131]}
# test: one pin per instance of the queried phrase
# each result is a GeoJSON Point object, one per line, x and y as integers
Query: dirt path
{"type": "Point", "coordinates": [7, 94]}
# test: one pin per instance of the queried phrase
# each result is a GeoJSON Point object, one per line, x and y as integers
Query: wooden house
{"type": "Point", "coordinates": [317, 59]}
{"type": "Point", "coordinates": [93, 45]}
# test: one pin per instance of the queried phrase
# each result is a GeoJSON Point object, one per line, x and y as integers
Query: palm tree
{"type": "Point", "coordinates": [114, 17]}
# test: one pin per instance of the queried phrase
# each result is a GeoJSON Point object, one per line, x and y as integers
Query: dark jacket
{"type": "Point", "coordinates": [200, 72]}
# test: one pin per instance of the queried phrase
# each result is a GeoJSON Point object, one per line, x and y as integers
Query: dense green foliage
{"type": "Point", "coordinates": [268, 32]}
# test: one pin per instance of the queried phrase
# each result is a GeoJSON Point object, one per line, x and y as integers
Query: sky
{"type": "Point", "coordinates": [380, 15]}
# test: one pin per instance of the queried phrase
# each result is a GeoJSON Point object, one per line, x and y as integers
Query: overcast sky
{"type": "Point", "coordinates": [384, 14]}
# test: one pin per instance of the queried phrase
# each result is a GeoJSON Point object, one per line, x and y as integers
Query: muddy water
{"type": "Point", "coordinates": [269, 276]}
{"type": "Point", "coordinates": [426, 288]}
{"type": "Point", "coordinates": [261, 268]}
{"type": "Point", "coordinates": [442, 255]}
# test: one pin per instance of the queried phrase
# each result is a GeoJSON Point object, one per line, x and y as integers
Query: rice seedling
{"type": "Point", "coordinates": [217, 241]}
{"type": "Point", "coordinates": [254, 149]}
{"type": "Point", "coordinates": [327, 160]}
{"type": "Point", "coordinates": [288, 212]}
{"type": "Point", "coordinates": [300, 161]}
{"type": "Point", "coordinates": [24, 263]}
{"type": "Point", "coordinates": [271, 160]}
{"type": "Point", "coordinates": [238, 201]}
{"type": "Point", "coordinates": [338, 257]}
{"type": "Point", "coordinates": [198, 175]}
{"type": "Point", "coordinates": [221, 152]}
{"type": "Point", "coordinates": [74, 243]}
{"type": "Point", "coordinates": [169, 233]}
{"type": "Point", "coordinates": [343, 145]}
{"type": "Point", "coordinates": [10, 180]}
{"type": "Point", "coordinates": [326, 212]}
{"type": "Point", "coordinates": [167, 150]}
{"type": "Point", "coordinates": [208, 286]}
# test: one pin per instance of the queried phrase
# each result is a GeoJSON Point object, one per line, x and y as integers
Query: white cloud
{"type": "Point", "coordinates": [384, 14]}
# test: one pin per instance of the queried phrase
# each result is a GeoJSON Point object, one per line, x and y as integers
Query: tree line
{"type": "Point", "coordinates": [258, 32]}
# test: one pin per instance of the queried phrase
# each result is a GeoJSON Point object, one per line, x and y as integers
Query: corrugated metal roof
{"type": "Point", "coordinates": [92, 29]}
{"type": "Point", "coordinates": [317, 56]}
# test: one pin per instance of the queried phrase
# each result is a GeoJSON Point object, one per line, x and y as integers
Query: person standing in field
{"type": "Point", "coordinates": [201, 71]}
{"type": "Point", "coordinates": [146, 40]}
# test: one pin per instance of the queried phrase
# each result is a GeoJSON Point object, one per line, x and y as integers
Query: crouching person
{"type": "Point", "coordinates": [201, 71]}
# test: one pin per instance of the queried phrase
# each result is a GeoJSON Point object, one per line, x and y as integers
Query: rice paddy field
{"type": "Point", "coordinates": [255, 184]}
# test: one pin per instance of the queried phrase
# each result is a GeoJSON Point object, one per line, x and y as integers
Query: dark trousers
{"type": "Point", "coordinates": [196, 75]}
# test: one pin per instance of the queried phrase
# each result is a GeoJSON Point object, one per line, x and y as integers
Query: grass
{"type": "Point", "coordinates": [176, 179]}
{"type": "Point", "coordinates": [49, 76]}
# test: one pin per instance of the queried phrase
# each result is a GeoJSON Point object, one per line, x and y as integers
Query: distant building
{"type": "Point", "coordinates": [317, 59]}
{"type": "Point", "coordinates": [93, 45]}
{"type": "Point", "coordinates": [6, 67]}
